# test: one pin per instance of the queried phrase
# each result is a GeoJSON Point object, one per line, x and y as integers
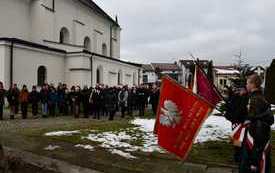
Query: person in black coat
{"type": "Point", "coordinates": [85, 101]}
{"type": "Point", "coordinates": [13, 100]}
{"type": "Point", "coordinates": [75, 97]}
{"type": "Point", "coordinates": [34, 99]}
{"type": "Point", "coordinates": [44, 98]}
{"type": "Point", "coordinates": [142, 98]}
{"type": "Point", "coordinates": [261, 118]}
{"type": "Point", "coordinates": [154, 98]}
{"type": "Point", "coordinates": [110, 102]}
{"type": "Point", "coordinates": [17, 102]}
{"type": "Point", "coordinates": [2, 100]}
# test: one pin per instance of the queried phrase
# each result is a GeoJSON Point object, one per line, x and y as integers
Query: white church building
{"type": "Point", "coordinates": [68, 41]}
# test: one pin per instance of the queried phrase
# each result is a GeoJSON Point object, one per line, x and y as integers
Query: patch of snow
{"type": "Point", "coordinates": [62, 133]}
{"type": "Point", "coordinates": [146, 125]}
{"type": "Point", "coordinates": [52, 147]}
{"type": "Point", "coordinates": [87, 147]}
{"type": "Point", "coordinates": [214, 128]}
{"type": "Point", "coordinates": [123, 154]}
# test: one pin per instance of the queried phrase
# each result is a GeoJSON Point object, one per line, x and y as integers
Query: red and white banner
{"type": "Point", "coordinates": [179, 118]}
{"type": "Point", "coordinates": [205, 88]}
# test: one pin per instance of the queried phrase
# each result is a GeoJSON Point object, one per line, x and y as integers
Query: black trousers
{"type": "Point", "coordinates": [141, 109]}
{"type": "Point", "coordinates": [123, 109]}
{"type": "Point", "coordinates": [34, 109]}
{"type": "Point", "coordinates": [1, 111]}
{"type": "Point", "coordinates": [86, 110]}
{"type": "Point", "coordinates": [24, 109]}
{"type": "Point", "coordinates": [111, 115]}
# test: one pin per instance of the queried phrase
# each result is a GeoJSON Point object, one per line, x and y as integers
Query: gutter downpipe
{"type": "Point", "coordinates": [91, 62]}
{"type": "Point", "coordinates": [11, 62]}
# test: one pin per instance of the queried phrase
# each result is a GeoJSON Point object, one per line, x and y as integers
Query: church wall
{"type": "Point", "coordinates": [81, 22]}
{"type": "Point", "coordinates": [5, 63]}
{"type": "Point", "coordinates": [27, 61]}
{"type": "Point", "coordinates": [111, 70]}
{"type": "Point", "coordinates": [77, 70]}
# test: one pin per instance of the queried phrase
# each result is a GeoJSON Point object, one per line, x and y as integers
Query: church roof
{"type": "Point", "coordinates": [99, 10]}
{"type": "Point", "coordinates": [43, 47]}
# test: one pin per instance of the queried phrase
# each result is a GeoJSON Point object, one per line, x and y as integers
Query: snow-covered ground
{"type": "Point", "coordinates": [63, 133]}
{"type": "Point", "coordinates": [123, 142]}
{"type": "Point", "coordinates": [214, 128]}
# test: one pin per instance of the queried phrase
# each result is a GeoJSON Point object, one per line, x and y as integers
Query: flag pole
{"type": "Point", "coordinates": [196, 60]}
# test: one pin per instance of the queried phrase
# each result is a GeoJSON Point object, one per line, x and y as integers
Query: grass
{"type": "Point", "coordinates": [217, 153]}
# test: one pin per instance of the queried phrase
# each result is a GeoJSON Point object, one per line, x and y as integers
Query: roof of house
{"type": "Point", "coordinates": [226, 70]}
{"type": "Point", "coordinates": [188, 63]}
{"type": "Point", "coordinates": [99, 10]}
{"type": "Point", "coordinates": [166, 66]}
{"type": "Point", "coordinates": [148, 67]}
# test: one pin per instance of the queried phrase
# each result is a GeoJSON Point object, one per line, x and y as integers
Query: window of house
{"type": "Point", "coordinates": [41, 75]}
{"type": "Point", "coordinates": [64, 35]}
{"type": "Point", "coordinates": [104, 49]}
{"type": "Point", "coordinates": [87, 43]}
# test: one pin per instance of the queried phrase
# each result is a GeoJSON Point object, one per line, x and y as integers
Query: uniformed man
{"type": "Point", "coordinates": [256, 147]}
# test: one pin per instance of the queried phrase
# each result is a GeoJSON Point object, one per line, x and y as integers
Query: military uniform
{"type": "Point", "coordinates": [256, 144]}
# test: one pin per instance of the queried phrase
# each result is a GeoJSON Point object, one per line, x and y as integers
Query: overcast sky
{"type": "Point", "coordinates": [168, 30]}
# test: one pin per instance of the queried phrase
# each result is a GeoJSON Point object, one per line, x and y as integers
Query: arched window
{"type": "Point", "coordinates": [119, 78]}
{"type": "Point", "coordinates": [87, 43]}
{"type": "Point", "coordinates": [104, 49]}
{"type": "Point", "coordinates": [41, 75]}
{"type": "Point", "coordinates": [64, 35]}
{"type": "Point", "coordinates": [99, 75]}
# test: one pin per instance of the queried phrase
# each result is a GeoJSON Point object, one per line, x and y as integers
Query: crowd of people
{"type": "Point", "coordinates": [96, 102]}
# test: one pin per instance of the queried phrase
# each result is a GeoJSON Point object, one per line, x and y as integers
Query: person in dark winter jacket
{"type": "Point", "coordinates": [13, 99]}
{"type": "Point", "coordinates": [154, 98]}
{"type": "Point", "coordinates": [85, 101]}
{"type": "Point", "coordinates": [53, 97]}
{"type": "Point", "coordinates": [34, 99]}
{"type": "Point", "coordinates": [60, 99]}
{"type": "Point", "coordinates": [44, 98]}
{"type": "Point", "coordinates": [2, 100]}
{"type": "Point", "coordinates": [75, 97]}
{"type": "Point", "coordinates": [17, 102]}
{"type": "Point", "coordinates": [256, 148]}
{"type": "Point", "coordinates": [110, 102]}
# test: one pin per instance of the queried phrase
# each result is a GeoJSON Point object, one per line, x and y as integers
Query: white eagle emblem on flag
{"type": "Point", "coordinates": [170, 115]}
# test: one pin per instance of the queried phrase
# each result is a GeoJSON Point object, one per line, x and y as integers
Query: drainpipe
{"type": "Point", "coordinates": [111, 41]}
{"type": "Point", "coordinates": [11, 63]}
{"type": "Point", "coordinates": [91, 62]}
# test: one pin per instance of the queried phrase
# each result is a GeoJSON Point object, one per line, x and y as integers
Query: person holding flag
{"type": "Point", "coordinates": [181, 112]}
{"type": "Point", "coordinates": [253, 135]}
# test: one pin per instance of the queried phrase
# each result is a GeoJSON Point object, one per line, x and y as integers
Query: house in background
{"type": "Point", "coordinates": [188, 70]}
{"type": "Point", "coordinates": [260, 71]}
{"type": "Point", "coordinates": [224, 75]}
{"type": "Point", "coordinates": [152, 73]}
{"type": "Point", "coordinates": [170, 69]}
{"type": "Point", "coordinates": [149, 75]}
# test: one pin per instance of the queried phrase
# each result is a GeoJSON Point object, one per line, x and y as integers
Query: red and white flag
{"type": "Point", "coordinates": [179, 118]}
{"type": "Point", "coordinates": [205, 88]}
